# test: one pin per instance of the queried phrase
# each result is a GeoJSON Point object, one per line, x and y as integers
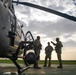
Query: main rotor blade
{"type": "Point", "coordinates": [47, 10]}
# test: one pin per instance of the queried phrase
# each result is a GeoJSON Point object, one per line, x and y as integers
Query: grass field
{"type": "Point", "coordinates": [41, 61]}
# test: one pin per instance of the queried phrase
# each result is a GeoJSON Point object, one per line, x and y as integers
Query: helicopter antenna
{"type": "Point", "coordinates": [48, 10]}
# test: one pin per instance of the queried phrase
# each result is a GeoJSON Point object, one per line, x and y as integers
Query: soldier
{"type": "Point", "coordinates": [48, 51]}
{"type": "Point", "coordinates": [58, 47]}
{"type": "Point", "coordinates": [37, 48]}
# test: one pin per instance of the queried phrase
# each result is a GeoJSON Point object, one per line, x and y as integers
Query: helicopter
{"type": "Point", "coordinates": [11, 32]}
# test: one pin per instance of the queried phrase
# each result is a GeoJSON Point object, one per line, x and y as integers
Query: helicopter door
{"type": "Point", "coordinates": [15, 32]}
{"type": "Point", "coordinates": [18, 33]}
{"type": "Point", "coordinates": [12, 33]}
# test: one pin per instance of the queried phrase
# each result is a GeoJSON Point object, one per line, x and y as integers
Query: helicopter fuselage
{"type": "Point", "coordinates": [10, 31]}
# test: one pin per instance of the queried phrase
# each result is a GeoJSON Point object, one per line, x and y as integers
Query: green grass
{"type": "Point", "coordinates": [71, 62]}
{"type": "Point", "coordinates": [9, 61]}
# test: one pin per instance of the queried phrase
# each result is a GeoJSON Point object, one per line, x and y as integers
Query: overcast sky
{"type": "Point", "coordinates": [49, 26]}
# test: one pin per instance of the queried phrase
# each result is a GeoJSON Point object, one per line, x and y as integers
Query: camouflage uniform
{"type": "Point", "coordinates": [58, 47]}
{"type": "Point", "coordinates": [37, 48]}
{"type": "Point", "coordinates": [48, 51]}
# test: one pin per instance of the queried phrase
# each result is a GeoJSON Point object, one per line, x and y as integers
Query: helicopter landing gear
{"type": "Point", "coordinates": [29, 58]}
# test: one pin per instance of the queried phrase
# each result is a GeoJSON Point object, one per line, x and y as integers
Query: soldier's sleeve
{"type": "Point", "coordinates": [52, 48]}
{"type": "Point", "coordinates": [45, 48]}
{"type": "Point", "coordinates": [53, 43]}
{"type": "Point", "coordinates": [61, 44]}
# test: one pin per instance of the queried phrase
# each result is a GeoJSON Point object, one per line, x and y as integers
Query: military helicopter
{"type": "Point", "coordinates": [11, 31]}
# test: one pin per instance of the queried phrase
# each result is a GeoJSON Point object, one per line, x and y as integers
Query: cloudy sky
{"type": "Point", "coordinates": [49, 26]}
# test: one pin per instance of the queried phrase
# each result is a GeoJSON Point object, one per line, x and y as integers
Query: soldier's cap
{"type": "Point", "coordinates": [48, 42]}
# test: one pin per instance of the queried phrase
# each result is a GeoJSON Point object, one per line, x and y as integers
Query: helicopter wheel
{"type": "Point", "coordinates": [30, 58]}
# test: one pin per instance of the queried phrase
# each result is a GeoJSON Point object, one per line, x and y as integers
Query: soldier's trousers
{"type": "Point", "coordinates": [37, 52]}
{"type": "Point", "coordinates": [45, 62]}
{"type": "Point", "coordinates": [59, 59]}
